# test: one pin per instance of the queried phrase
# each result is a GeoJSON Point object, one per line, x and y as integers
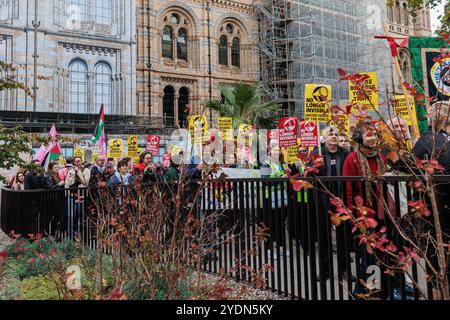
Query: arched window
{"type": "Point", "coordinates": [390, 13]}
{"type": "Point", "coordinates": [78, 80]}
{"type": "Point", "coordinates": [168, 105]}
{"type": "Point", "coordinates": [167, 42]}
{"type": "Point", "coordinates": [183, 100]}
{"type": "Point", "coordinates": [79, 9]}
{"type": "Point", "coordinates": [103, 12]}
{"type": "Point", "coordinates": [398, 16]}
{"type": "Point", "coordinates": [236, 53]}
{"type": "Point", "coordinates": [223, 51]}
{"type": "Point", "coordinates": [103, 87]}
{"type": "Point", "coordinates": [182, 50]}
{"type": "Point", "coordinates": [405, 15]}
{"type": "Point", "coordinates": [406, 71]}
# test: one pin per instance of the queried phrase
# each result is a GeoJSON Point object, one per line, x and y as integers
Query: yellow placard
{"type": "Point", "coordinates": [344, 121]}
{"type": "Point", "coordinates": [317, 99]}
{"type": "Point", "coordinates": [370, 98]}
{"type": "Point", "coordinates": [291, 154]}
{"type": "Point", "coordinates": [61, 161]}
{"type": "Point", "coordinates": [225, 125]}
{"type": "Point", "coordinates": [245, 133]}
{"type": "Point", "coordinates": [115, 148]}
{"type": "Point", "coordinates": [401, 109]}
{"type": "Point", "coordinates": [175, 150]}
{"type": "Point", "coordinates": [95, 155]}
{"type": "Point", "coordinates": [133, 148]}
{"type": "Point", "coordinates": [198, 128]}
{"type": "Point", "coordinates": [79, 152]}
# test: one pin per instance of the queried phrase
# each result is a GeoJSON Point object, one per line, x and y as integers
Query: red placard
{"type": "Point", "coordinates": [153, 144]}
{"type": "Point", "coordinates": [166, 160]}
{"type": "Point", "coordinates": [288, 131]}
{"type": "Point", "coordinates": [309, 133]}
{"type": "Point", "coordinates": [272, 137]}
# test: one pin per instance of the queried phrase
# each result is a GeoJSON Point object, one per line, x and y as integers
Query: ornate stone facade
{"type": "Point", "coordinates": [98, 37]}
{"type": "Point", "coordinates": [402, 24]}
{"type": "Point", "coordinates": [177, 46]}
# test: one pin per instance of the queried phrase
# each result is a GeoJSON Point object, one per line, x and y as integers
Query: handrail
{"type": "Point", "coordinates": [387, 179]}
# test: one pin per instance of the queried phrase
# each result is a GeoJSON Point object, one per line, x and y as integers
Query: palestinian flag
{"type": "Point", "coordinates": [99, 137]}
{"type": "Point", "coordinates": [55, 152]}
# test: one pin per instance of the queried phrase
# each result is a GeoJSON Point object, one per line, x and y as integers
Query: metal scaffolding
{"type": "Point", "coordinates": [305, 41]}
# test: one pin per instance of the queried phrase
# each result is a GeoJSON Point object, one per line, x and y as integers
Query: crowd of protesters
{"type": "Point", "coordinates": [102, 172]}
{"type": "Point", "coordinates": [363, 157]}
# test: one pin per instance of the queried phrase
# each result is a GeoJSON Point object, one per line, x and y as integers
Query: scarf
{"type": "Point", "coordinates": [125, 180]}
{"type": "Point", "coordinates": [363, 155]}
{"type": "Point", "coordinates": [100, 169]}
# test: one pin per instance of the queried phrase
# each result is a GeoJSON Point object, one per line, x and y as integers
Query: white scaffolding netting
{"type": "Point", "coordinates": [305, 41]}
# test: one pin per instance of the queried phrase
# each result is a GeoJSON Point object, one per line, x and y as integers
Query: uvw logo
{"type": "Point", "coordinates": [290, 124]}
{"type": "Point", "coordinates": [154, 141]}
{"type": "Point", "coordinates": [310, 126]}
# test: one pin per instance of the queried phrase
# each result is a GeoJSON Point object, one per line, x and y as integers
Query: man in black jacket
{"type": "Point", "coordinates": [98, 173]}
{"type": "Point", "coordinates": [436, 145]}
{"type": "Point", "coordinates": [334, 157]}
{"type": "Point", "coordinates": [33, 180]}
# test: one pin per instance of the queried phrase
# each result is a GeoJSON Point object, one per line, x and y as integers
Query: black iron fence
{"type": "Point", "coordinates": [310, 257]}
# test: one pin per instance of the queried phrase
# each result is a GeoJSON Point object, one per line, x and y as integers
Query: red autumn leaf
{"type": "Point", "coordinates": [337, 202]}
{"type": "Point", "coordinates": [369, 248]}
{"type": "Point", "coordinates": [372, 223]}
{"type": "Point", "coordinates": [297, 185]}
{"type": "Point", "coordinates": [341, 72]}
{"type": "Point", "coordinates": [335, 220]}
{"type": "Point", "coordinates": [3, 257]}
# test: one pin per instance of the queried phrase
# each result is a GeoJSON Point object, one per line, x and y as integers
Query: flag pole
{"type": "Point", "coordinates": [412, 115]}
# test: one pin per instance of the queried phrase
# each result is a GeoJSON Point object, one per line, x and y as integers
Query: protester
{"type": "Point", "coordinates": [145, 169]}
{"type": "Point", "coordinates": [52, 179]}
{"type": "Point", "coordinates": [68, 166]}
{"type": "Point", "coordinates": [437, 139]}
{"type": "Point", "coordinates": [98, 173]}
{"type": "Point", "coordinates": [276, 195]}
{"type": "Point", "coordinates": [19, 181]}
{"type": "Point", "coordinates": [333, 157]}
{"type": "Point", "coordinates": [397, 146]}
{"type": "Point", "coordinates": [297, 168]}
{"type": "Point", "coordinates": [366, 161]}
{"type": "Point", "coordinates": [122, 176]}
{"type": "Point", "coordinates": [171, 172]}
{"type": "Point", "coordinates": [435, 145]}
{"type": "Point", "coordinates": [77, 176]}
{"type": "Point", "coordinates": [195, 168]}
{"type": "Point", "coordinates": [109, 171]}
{"type": "Point", "coordinates": [343, 142]}
{"type": "Point", "coordinates": [33, 178]}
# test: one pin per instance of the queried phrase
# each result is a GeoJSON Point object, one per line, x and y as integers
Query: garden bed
{"type": "Point", "coordinates": [37, 270]}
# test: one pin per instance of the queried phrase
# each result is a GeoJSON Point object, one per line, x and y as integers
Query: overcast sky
{"type": "Point", "coordinates": [435, 13]}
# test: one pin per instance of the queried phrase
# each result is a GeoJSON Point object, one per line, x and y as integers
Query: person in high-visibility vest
{"type": "Point", "coordinates": [274, 168]}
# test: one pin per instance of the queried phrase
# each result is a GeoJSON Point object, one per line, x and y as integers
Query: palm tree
{"type": "Point", "coordinates": [243, 103]}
